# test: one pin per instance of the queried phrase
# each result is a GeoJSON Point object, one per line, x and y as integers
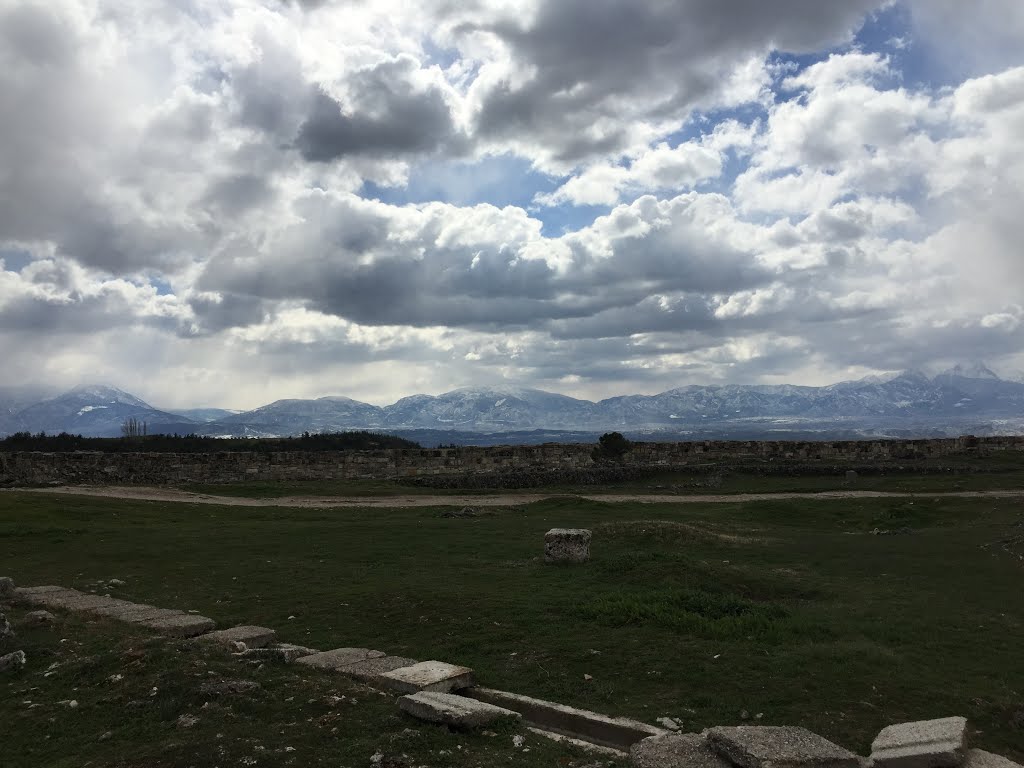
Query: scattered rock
{"type": "Point", "coordinates": [454, 711]}
{"type": "Point", "coordinates": [668, 722]}
{"type": "Point", "coordinates": [106, 736]}
{"type": "Point", "coordinates": [675, 750]}
{"type": "Point", "coordinates": [39, 618]}
{"type": "Point", "coordinates": [5, 628]}
{"type": "Point", "coordinates": [187, 721]}
{"type": "Point", "coordinates": [938, 743]}
{"type": "Point", "coordinates": [759, 746]}
{"type": "Point", "coordinates": [229, 687]}
{"type": "Point", "coordinates": [567, 545]}
{"type": "Point", "coordinates": [518, 741]}
{"type": "Point", "coordinates": [6, 586]}
{"type": "Point", "coordinates": [12, 661]}
{"type": "Point", "coordinates": [116, 583]}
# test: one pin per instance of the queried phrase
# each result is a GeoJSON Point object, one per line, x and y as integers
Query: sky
{"type": "Point", "coordinates": [224, 203]}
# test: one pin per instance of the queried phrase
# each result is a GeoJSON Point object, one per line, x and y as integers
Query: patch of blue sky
{"type": "Point", "coordinates": [15, 259]}
{"type": "Point", "coordinates": [890, 31]}
{"type": "Point", "coordinates": [501, 181]}
{"type": "Point", "coordinates": [163, 288]}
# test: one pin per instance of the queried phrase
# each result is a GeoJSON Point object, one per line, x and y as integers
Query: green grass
{"type": "Point", "coordinates": [296, 717]}
{"type": "Point", "coordinates": [790, 609]}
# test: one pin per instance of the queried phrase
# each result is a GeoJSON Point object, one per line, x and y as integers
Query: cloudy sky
{"type": "Point", "coordinates": [226, 202]}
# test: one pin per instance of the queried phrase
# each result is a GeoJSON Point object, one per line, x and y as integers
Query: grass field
{"type": "Point", "coordinates": [794, 610]}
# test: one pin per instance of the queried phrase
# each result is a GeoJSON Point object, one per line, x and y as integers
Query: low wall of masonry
{"type": "Point", "coordinates": [37, 468]}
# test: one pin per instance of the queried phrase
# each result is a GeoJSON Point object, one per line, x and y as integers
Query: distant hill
{"type": "Point", "coordinates": [965, 398]}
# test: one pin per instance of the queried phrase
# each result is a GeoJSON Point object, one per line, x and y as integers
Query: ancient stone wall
{"type": "Point", "coordinates": [35, 468]}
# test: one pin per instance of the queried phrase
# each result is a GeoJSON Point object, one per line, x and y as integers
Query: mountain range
{"type": "Point", "coordinates": [962, 399]}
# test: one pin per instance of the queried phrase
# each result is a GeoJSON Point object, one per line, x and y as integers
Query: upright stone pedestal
{"type": "Point", "coordinates": [567, 545]}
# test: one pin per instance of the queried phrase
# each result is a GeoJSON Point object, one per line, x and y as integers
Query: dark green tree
{"type": "Point", "coordinates": [611, 446]}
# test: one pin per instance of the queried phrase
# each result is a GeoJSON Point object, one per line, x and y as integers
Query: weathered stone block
{"type": "Point", "coordinates": [752, 746]}
{"type": "Point", "coordinates": [428, 676]}
{"type": "Point", "coordinates": [676, 750]}
{"type": "Point", "coordinates": [184, 625]}
{"type": "Point", "coordinates": [567, 545]}
{"type": "Point", "coordinates": [253, 637]}
{"type": "Point", "coordinates": [6, 586]}
{"type": "Point", "coordinates": [979, 758]}
{"type": "Point", "coordinates": [136, 613]}
{"type": "Point", "coordinates": [938, 743]}
{"type": "Point", "coordinates": [38, 595]}
{"type": "Point", "coordinates": [339, 658]}
{"type": "Point", "coordinates": [369, 671]}
{"type": "Point", "coordinates": [455, 711]}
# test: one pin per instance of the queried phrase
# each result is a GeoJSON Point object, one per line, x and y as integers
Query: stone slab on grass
{"type": "Point", "coordinates": [252, 637]}
{"type": "Point", "coordinates": [136, 613]}
{"type": "Point", "coordinates": [979, 758]}
{"type": "Point", "coordinates": [369, 671]}
{"type": "Point", "coordinates": [435, 676]}
{"type": "Point", "coordinates": [455, 711]}
{"type": "Point", "coordinates": [184, 625]}
{"type": "Point", "coordinates": [567, 545]}
{"type": "Point", "coordinates": [77, 601]}
{"type": "Point", "coordinates": [28, 593]}
{"type": "Point", "coordinates": [938, 743]}
{"type": "Point", "coordinates": [339, 658]}
{"type": "Point", "coordinates": [676, 750]}
{"type": "Point", "coordinates": [42, 596]}
{"type": "Point", "coordinates": [754, 746]}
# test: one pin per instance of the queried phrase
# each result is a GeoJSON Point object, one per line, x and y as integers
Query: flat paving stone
{"type": "Point", "coordinates": [979, 758]}
{"type": "Point", "coordinates": [44, 595]}
{"type": "Point", "coordinates": [676, 750]}
{"type": "Point", "coordinates": [136, 613]}
{"type": "Point", "coordinates": [455, 711]}
{"type": "Point", "coordinates": [754, 746]}
{"type": "Point", "coordinates": [253, 637]}
{"type": "Point", "coordinates": [369, 671]}
{"type": "Point", "coordinates": [339, 658]}
{"type": "Point", "coordinates": [940, 743]}
{"type": "Point", "coordinates": [436, 676]}
{"type": "Point", "coordinates": [184, 625]}
{"type": "Point", "coordinates": [78, 602]}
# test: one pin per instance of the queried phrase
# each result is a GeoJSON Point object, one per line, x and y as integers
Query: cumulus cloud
{"type": "Point", "coordinates": [206, 189]}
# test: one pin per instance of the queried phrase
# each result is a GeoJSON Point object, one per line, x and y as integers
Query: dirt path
{"type": "Point", "coordinates": [493, 500]}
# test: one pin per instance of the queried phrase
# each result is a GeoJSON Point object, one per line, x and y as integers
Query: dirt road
{"type": "Point", "coordinates": [489, 500]}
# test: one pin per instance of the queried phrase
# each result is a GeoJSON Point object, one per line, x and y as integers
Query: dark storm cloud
{"type": "Point", "coordinates": [345, 259]}
{"type": "Point", "coordinates": [592, 60]}
{"type": "Point", "coordinates": [389, 115]}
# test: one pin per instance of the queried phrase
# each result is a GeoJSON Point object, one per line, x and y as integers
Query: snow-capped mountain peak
{"type": "Point", "coordinates": [975, 370]}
